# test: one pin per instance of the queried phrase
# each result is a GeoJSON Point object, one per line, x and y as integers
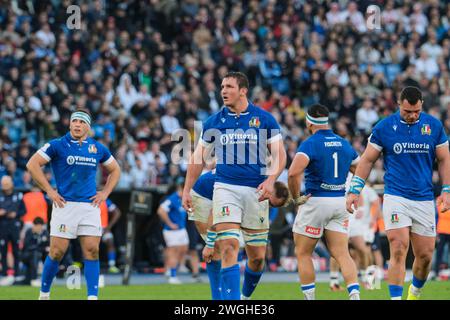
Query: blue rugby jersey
{"type": "Point", "coordinates": [173, 206]}
{"type": "Point", "coordinates": [330, 157]}
{"type": "Point", "coordinates": [205, 184]}
{"type": "Point", "coordinates": [240, 144]}
{"type": "Point", "coordinates": [75, 166]}
{"type": "Point", "coordinates": [409, 152]}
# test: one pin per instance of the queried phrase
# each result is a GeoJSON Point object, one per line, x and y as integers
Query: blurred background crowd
{"type": "Point", "coordinates": [146, 68]}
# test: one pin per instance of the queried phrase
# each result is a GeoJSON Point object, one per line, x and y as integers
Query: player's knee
{"type": "Point", "coordinates": [256, 264]}
{"type": "Point", "coordinates": [56, 253]}
{"type": "Point", "coordinates": [398, 250]}
{"type": "Point", "coordinates": [91, 252]}
{"type": "Point", "coordinates": [424, 257]}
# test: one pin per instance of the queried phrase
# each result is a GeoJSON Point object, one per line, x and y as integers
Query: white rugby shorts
{"type": "Point", "coordinates": [176, 238]}
{"type": "Point", "coordinates": [239, 204]}
{"type": "Point", "coordinates": [201, 208]}
{"type": "Point", "coordinates": [75, 219]}
{"type": "Point", "coordinates": [319, 214]}
{"type": "Point", "coordinates": [399, 212]}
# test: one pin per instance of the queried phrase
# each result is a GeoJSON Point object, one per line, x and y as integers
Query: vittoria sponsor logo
{"type": "Point", "coordinates": [411, 147]}
{"type": "Point", "coordinates": [312, 230]}
{"type": "Point", "coordinates": [83, 161]}
{"type": "Point", "coordinates": [238, 138]}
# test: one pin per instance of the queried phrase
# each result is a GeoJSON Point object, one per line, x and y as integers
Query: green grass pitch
{"type": "Point", "coordinates": [265, 291]}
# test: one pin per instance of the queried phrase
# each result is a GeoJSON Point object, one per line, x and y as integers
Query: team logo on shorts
{"type": "Point", "coordinates": [394, 218]}
{"type": "Point", "coordinates": [345, 224]}
{"type": "Point", "coordinates": [261, 219]}
{"type": "Point", "coordinates": [62, 228]}
{"type": "Point", "coordinates": [254, 122]}
{"type": "Point", "coordinates": [92, 148]}
{"type": "Point", "coordinates": [426, 129]}
{"type": "Point", "coordinates": [225, 211]}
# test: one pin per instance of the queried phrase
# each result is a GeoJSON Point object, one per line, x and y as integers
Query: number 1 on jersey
{"type": "Point", "coordinates": [335, 157]}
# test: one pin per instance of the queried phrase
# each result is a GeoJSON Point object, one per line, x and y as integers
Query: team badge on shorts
{"type": "Point", "coordinates": [426, 129]}
{"type": "Point", "coordinates": [225, 211]}
{"type": "Point", "coordinates": [254, 122]}
{"type": "Point", "coordinates": [92, 148]}
{"type": "Point", "coordinates": [394, 218]}
{"type": "Point", "coordinates": [62, 228]}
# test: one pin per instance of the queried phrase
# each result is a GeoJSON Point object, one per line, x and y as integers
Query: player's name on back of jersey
{"type": "Point", "coordinates": [333, 144]}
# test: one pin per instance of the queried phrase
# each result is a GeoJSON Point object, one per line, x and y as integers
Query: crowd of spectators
{"type": "Point", "coordinates": [145, 68]}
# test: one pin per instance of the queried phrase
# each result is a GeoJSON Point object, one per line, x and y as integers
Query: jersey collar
{"type": "Point", "coordinates": [72, 140]}
{"type": "Point", "coordinates": [404, 122]}
{"type": "Point", "coordinates": [244, 113]}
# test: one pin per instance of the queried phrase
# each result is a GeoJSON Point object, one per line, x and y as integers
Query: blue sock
{"type": "Point", "coordinates": [112, 258]}
{"type": "Point", "coordinates": [51, 268]}
{"type": "Point", "coordinates": [395, 291]}
{"type": "Point", "coordinates": [173, 272]}
{"type": "Point", "coordinates": [418, 283]}
{"type": "Point", "coordinates": [251, 279]}
{"type": "Point", "coordinates": [353, 287]}
{"type": "Point", "coordinates": [92, 273]}
{"type": "Point", "coordinates": [231, 279]}
{"type": "Point", "coordinates": [213, 270]}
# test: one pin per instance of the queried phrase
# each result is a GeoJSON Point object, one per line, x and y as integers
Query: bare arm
{"type": "Point", "coordinates": [113, 177]}
{"type": "Point", "coordinates": [34, 166]}
{"type": "Point", "coordinates": [195, 168]}
{"type": "Point", "coordinates": [362, 171]}
{"type": "Point", "coordinates": [165, 218]}
{"type": "Point", "coordinates": [296, 169]}
{"type": "Point", "coordinates": [276, 167]}
{"type": "Point", "coordinates": [114, 218]}
{"type": "Point", "coordinates": [367, 161]}
{"type": "Point", "coordinates": [443, 158]}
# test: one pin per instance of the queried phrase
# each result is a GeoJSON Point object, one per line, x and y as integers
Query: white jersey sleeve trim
{"type": "Point", "coordinates": [44, 155]}
{"type": "Point", "coordinates": [110, 160]}
{"type": "Point", "coordinates": [356, 160]}
{"type": "Point", "coordinates": [274, 138]}
{"type": "Point", "coordinates": [379, 148]}
{"type": "Point", "coordinates": [304, 155]}
{"type": "Point", "coordinates": [442, 144]}
{"type": "Point", "coordinates": [166, 205]}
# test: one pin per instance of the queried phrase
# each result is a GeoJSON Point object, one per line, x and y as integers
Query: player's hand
{"type": "Point", "coordinates": [265, 190]}
{"type": "Point", "coordinates": [359, 213]}
{"type": "Point", "coordinates": [207, 254]}
{"type": "Point", "coordinates": [99, 198]}
{"type": "Point", "coordinates": [58, 201]}
{"type": "Point", "coordinates": [2, 212]}
{"type": "Point", "coordinates": [173, 226]}
{"type": "Point", "coordinates": [352, 202]}
{"type": "Point", "coordinates": [444, 199]}
{"type": "Point", "coordinates": [186, 202]}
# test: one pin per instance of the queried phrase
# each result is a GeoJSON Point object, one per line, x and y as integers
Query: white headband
{"type": "Point", "coordinates": [316, 121]}
{"type": "Point", "coordinates": [81, 116]}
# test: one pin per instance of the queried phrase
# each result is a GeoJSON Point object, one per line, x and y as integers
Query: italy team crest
{"type": "Point", "coordinates": [254, 122]}
{"type": "Point", "coordinates": [92, 148]}
{"type": "Point", "coordinates": [394, 218]}
{"type": "Point", "coordinates": [426, 129]}
{"type": "Point", "coordinates": [225, 211]}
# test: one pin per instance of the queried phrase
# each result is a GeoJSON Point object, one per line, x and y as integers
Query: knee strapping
{"type": "Point", "coordinates": [228, 234]}
{"type": "Point", "coordinates": [256, 239]}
